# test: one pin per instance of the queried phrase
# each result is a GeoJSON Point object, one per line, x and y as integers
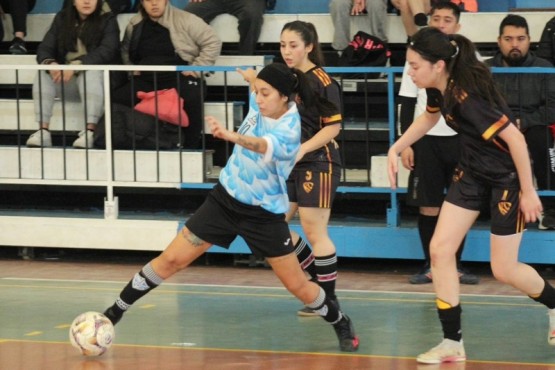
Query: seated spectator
{"type": "Point", "coordinates": [18, 10]}
{"type": "Point", "coordinates": [80, 34]}
{"type": "Point", "coordinates": [249, 13]}
{"type": "Point", "coordinates": [531, 97]}
{"type": "Point", "coordinates": [341, 11]}
{"type": "Point", "coordinates": [116, 6]}
{"type": "Point", "coordinates": [413, 14]}
{"type": "Point", "coordinates": [546, 46]}
{"type": "Point", "coordinates": [162, 34]}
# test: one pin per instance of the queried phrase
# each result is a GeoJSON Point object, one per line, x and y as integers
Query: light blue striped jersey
{"type": "Point", "coordinates": [259, 179]}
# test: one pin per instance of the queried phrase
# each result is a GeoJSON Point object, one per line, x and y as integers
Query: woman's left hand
{"type": "Point", "coordinates": [190, 74]}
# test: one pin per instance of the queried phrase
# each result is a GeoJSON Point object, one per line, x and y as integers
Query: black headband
{"type": "Point", "coordinates": [280, 77]}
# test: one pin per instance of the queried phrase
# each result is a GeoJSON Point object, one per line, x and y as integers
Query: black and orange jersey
{"type": "Point", "coordinates": [312, 121]}
{"type": "Point", "coordinates": [479, 123]}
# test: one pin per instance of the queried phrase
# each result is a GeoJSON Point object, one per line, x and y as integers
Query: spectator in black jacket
{"type": "Point", "coordinates": [531, 97]}
{"type": "Point", "coordinates": [82, 33]}
{"type": "Point", "coordinates": [18, 10]}
{"type": "Point", "coordinates": [546, 46]}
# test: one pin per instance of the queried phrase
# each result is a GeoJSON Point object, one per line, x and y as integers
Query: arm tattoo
{"type": "Point", "coordinates": [249, 144]}
{"type": "Point", "coordinates": [192, 238]}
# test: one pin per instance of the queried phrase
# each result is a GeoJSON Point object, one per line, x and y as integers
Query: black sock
{"type": "Point", "coordinates": [142, 283]}
{"type": "Point", "coordinates": [325, 308]}
{"type": "Point", "coordinates": [306, 258]}
{"type": "Point", "coordinates": [426, 228]}
{"type": "Point", "coordinates": [547, 296]}
{"type": "Point", "coordinates": [326, 270]}
{"type": "Point", "coordinates": [450, 319]}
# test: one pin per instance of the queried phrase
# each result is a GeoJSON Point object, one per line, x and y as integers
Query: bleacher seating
{"type": "Point", "coordinates": [368, 239]}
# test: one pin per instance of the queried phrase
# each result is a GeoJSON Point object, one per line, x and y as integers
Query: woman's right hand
{"type": "Point", "coordinates": [407, 158]}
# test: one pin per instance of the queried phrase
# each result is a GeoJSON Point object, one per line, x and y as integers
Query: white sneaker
{"type": "Point", "coordinates": [551, 334]}
{"type": "Point", "coordinates": [447, 351]}
{"type": "Point", "coordinates": [85, 140]}
{"type": "Point", "coordinates": [41, 138]}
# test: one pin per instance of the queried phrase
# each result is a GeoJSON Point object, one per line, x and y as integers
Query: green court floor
{"type": "Point", "coordinates": [398, 325]}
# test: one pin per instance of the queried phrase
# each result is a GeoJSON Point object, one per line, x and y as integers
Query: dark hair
{"type": "Point", "coordinates": [465, 71]}
{"type": "Point", "coordinates": [308, 34]}
{"type": "Point", "coordinates": [515, 21]}
{"type": "Point", "coordinates": [447, 5]}
{"type": "Point", "coordinates": [294, 83]}
{"type": "Point", "coordinates": [74, 27]}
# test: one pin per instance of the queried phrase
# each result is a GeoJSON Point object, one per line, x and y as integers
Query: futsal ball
{"type": "Point", "coordinates": [91, 333]}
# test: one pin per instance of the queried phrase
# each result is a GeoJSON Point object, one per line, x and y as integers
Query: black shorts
{"type": "Point", "coordinates": [314, 189]}
{"type": "Point", "coordinates": [221, 218]}
{"type": "Point", "coordinates": [435, 159]}
{"type": "Point", "coordinates": [472, 193]}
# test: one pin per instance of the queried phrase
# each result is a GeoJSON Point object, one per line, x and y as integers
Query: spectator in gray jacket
{"type": "Point", "coordinates": [531, 97]}
{"type": "Point", "coordinates": [161, 34]}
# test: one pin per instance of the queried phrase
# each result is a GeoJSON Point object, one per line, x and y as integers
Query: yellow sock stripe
{"type": "Point", "coordinates": [442, 305]}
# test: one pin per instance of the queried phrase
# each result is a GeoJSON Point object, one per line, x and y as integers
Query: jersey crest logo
{"type": "Point", "coordinates": [504, 207]}
{"type": "Point", "coordinates": [308, 186]}
{"type": "Point", "coordinates": [458, 175]}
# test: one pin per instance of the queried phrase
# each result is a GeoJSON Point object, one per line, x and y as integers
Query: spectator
{"type": "Point", "coordinates": [162, 34]}
{"type": "Point", "coordinates": [413, 14]}
{"type": "Point", "coordinates": [18, 10]}
{"type": "Point", "coordinates": [249, 13]}
{"type": "Point", "coordinates": [341, 12]}
{"type": "Point", "coordinates": [432, 159]}
{"type": "Point", "coordinates": [531, 98]}
{"type": "Point", "coordinates": [116, 6]}
{"type": "Point", "coordinates": [546, 46]}
{"type": "Point", "coordinates": [81, 33]}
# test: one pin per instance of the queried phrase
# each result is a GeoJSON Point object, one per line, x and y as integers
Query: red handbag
{"type": "Point", "coordinates": [170, 106]}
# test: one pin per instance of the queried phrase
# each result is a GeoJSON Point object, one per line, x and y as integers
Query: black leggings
{"type": "Point", "coordinates": [18, 10]}
{"type": "Point", "coordinates": [539, 140]}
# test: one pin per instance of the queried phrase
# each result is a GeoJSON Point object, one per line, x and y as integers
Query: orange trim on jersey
{"type": "Point", "coordinates": [324, 78]}
{"type": "Point", "coordinates": [332, 119]}
{"type": "Point", "coordinates": [495, 127]}
{"type": "Point", "coordinates": [432, 109]}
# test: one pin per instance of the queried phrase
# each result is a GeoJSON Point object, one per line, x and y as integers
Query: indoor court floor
{"type": "Point", "coordinates": [226, 317]}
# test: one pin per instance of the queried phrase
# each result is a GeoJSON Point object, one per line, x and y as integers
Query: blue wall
{"type": "Point", "coordinates": [321, 6]}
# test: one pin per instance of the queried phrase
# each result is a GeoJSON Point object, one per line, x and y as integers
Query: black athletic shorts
{"type": "Point", "coordinates": [313, 189]}
{"type": "Point", "coordinates": [221, 218]}
{"type": "Point", "coordinates": [503, 195]}
{"type": "Point", "coordinates": [435, 159]}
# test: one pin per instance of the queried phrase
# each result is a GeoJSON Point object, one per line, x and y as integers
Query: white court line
{"type": "Point", "coordinates": [262, 287]}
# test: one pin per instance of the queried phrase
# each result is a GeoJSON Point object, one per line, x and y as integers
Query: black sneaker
{"type": "Point", "coordinates": [467, 278]}
{"type": "Point", "coordinates": [18, 46]}
{"type": "Point", "coordinates": [114, 316]}
{"type": "Point", "coordinates": [423, 277]}
{"type": "Point", "coordinates": [547, 220]}
{"type": "Point", "coordinates": [348, 341]}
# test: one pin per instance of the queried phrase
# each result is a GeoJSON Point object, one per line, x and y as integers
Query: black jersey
{"type": "Point", "coordinates": [312, 121]}
{"type": "Point", "coordinates": [479, 123]}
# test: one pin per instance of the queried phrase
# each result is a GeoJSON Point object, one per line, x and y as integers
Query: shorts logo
{"type": "Point", "coordinates": [458, 175]}
{"type": "Point", "coordinates": [504, 207]}
{"type": "Point", "coordinates": [308, 186]}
